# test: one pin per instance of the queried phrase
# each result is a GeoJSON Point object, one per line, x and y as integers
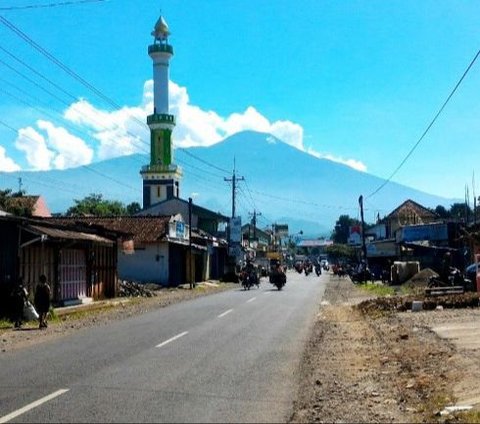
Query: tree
{"type": "Point", "coordinates": [342, 228]}
{"type": "Point", "coordinates": [442, 212]}
{"type": "Point", "coordinates": [95, 205]}
{"type": "Point", "coordinates": [337, 252]}
{"type": "Point", "coordinates": [133, 208]}
{"type": "Point", "coordinates": [460, 211]}
{"type": "Point", "coordinates": [9, 202]}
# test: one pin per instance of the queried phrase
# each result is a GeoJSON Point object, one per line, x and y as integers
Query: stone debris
{"type": "Point", "coordinates": [132, 289]}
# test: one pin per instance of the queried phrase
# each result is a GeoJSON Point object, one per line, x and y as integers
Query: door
{"type": "Point", "coordinates": [72, 274]}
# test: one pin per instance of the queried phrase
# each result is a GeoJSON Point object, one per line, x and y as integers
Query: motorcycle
{"type": "Point", "coordinates": [318, 270]}
{"type": "Point", "coordinates": [308, 268]}
{"type": "Point", "coordinates": [249, 279]}
{"type": "Point", "coordinates": [278, 278]}
{"type": "Point", "coordinates": [454, 278]}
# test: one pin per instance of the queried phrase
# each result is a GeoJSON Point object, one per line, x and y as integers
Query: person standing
{"type": "Point", "coordinates": [19, 298]}
{"type": "Point", "coordinates": [42, 301]}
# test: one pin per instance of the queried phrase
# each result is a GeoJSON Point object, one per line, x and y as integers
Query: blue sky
{"type": "Point", "coordinates": [357, 82]}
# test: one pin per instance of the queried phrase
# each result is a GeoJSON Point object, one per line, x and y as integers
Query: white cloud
{"type": "Point", "coordinates": [35, 147]}
{"type": "Point", "coordinates": [352, 163]}
{"type": "Point", "coordinates": [197, 127]}
{"type": "Point", "coordinates": [119, 133]}
{"type": "Point", "coordinates": [124, 131]}
{"type": "Point", "coordinates": [7, 164]}
{"type": "Point", "coordinates": [54, 148]}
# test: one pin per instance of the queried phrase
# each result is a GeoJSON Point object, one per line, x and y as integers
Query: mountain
{"type": "Point", "coordinates": [279, 182]}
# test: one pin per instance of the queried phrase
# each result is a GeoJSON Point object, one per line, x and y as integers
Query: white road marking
{"type": "Point", "coordinates": [172, 339]}
{"type": "Point", "coordinates": [32, 405]}
{"type": "Point", "coordinates": [225, 313]}
{"type": "Point", "coordinates": [251, 300]}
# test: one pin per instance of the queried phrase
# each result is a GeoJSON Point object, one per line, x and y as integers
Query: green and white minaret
{"type": "Point", "coordinates": [161, 177]}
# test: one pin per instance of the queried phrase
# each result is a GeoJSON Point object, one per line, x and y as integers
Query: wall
{"type": "Point", "coordinates": [149, 264]}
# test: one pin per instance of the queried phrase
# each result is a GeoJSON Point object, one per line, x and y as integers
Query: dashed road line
{"type": "Point", "coordinates": [32, 405]}
{"type": "Point", "coordinates": [224, 313]}
{"type": "Point", "coordinates": [251, 300]}
{"type": "Point", "coordinates": [172, 339]}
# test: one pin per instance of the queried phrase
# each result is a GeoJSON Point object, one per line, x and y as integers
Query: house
{"type": "Point", "coordinates": [412, 232]}
{"type": "Point", "coordinates": [212, 225]}
{"type": "Point", "coordinates": [36, 204]}
{"type": "Point", "coordinates": [255, 237]}
{"type": "Point", "coordinates": [204, 219]}
{"type": "Point", "coordinates": [79, 264]}
{"type": "Point", "coordinates": [408, 213]}
{"type": "Point", "coordinates": [156, 249]}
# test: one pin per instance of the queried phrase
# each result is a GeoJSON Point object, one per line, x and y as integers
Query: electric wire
{"type": "Point", "coordinates": [83, 166]}
{"type": "Point", "coordinates": [88, 85]}
{"type": "Point", "coordinates": [57, 4]}
{"type": "Point", "coordinates": [428, 127]}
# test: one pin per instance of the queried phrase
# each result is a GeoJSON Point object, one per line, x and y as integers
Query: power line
{"type": "Point", "coordinates": [428, 128]}
{"type": "Point", "coordinates": [83, 166]}
{"type": "Point", "coordinates": [203, 160]}
{"type": "Point", "coordinates": [88, 85]}
{"type": "Point", "coordinates": [26, 65]}
{"type": "Point", "coordinates": [61, 65]}
{"type": "Point", "coordinates": [58, 4]}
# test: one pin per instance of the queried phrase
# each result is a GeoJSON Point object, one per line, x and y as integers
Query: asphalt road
{"type": "Point", "coordinates": [228, 357]}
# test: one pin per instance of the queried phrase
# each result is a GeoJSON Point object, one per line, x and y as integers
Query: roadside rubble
{"type": "Point", "coordinates": [133, 289]}
{"type": "Point", "coordinates": [375, 360]}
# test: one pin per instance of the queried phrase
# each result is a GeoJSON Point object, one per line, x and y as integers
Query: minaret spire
{"type": "Point", "coordinates": [161, 177]}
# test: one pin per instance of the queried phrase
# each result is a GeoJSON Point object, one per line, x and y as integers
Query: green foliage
{"type": "Point", "coordinates": [9, 203]}
{"type": "Point", "coordinates": [377, 289]}
{"type": "Point", "coordinates": [342, 228]}
{"type": "Point", "coordinates": [133, 208]}
{"type": "Point", "coordinates": [338, 252]}
{"type": "Point", "coordinates": [95, 205]}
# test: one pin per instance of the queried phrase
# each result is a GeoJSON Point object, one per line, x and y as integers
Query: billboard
{"type": "Point", "coordinates": [236, 230]}
{"type": "Point", "coordinates": [434, 232]}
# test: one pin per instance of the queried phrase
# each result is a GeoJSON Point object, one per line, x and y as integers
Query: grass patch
{"type": "Point", "coordinates": [377, 289]}
{"type": "Point", "coordinates": [5, 324]}
{"type": "Point", "coordinates": [468, 417]}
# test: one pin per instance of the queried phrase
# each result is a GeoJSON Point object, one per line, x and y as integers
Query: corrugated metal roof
{"type": "Point", "coordinates": [57, 233]}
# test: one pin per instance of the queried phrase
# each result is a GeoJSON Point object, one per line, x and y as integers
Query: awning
{"type": "Point", "coordinates": [56, 233]}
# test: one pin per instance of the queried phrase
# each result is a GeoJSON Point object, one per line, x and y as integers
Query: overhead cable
{"type": "Point", "coordinates": [428, 127]}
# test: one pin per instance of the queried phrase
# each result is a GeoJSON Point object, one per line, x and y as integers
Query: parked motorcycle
{"type": "Point", "coordinates": [454, 278]}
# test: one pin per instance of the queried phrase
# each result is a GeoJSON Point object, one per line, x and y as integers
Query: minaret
{"type": "Point", "coordinates": [161, 177]}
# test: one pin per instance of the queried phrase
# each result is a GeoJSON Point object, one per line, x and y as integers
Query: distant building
{"type": "Point", "coordinates": [36, 204]}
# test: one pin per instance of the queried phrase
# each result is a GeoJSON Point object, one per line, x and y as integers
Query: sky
{"type": "Point", "coordinates": [356, 82]}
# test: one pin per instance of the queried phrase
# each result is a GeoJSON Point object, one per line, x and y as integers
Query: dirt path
{"type": "Point", "coordinates": [388, 368]}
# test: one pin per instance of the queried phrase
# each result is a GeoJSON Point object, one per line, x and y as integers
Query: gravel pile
{"type": "Point", "coordinates": [132, 289]}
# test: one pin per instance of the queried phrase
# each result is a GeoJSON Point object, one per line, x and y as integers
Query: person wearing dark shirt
{"type": "Point", "coordinates": [42, 301]}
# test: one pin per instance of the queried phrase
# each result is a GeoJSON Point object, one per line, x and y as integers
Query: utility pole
{"type": "Point", "coordinates": [234, 180]}
{"type": "Point", "coordinates": [254, 222]}
{"type": "Point", "coordinates": [364, 246]}
{"type": "Point", "coordinates": [190, 259]}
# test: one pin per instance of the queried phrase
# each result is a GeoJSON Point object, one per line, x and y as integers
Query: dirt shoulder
{"type": "Point", "coordinates": [379, 367]}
